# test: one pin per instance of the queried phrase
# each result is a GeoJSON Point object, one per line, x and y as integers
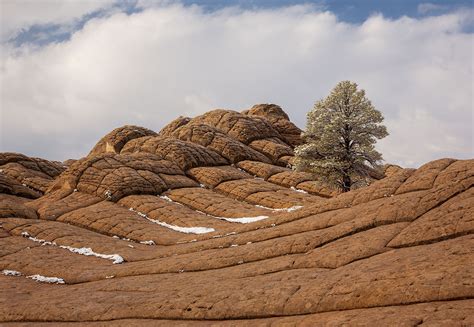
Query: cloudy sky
{"type": "Point", "coordinates": [73, 70]}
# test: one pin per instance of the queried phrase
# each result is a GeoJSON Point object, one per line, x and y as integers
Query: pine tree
{"type": "Point", "coordinates": [340, 134]}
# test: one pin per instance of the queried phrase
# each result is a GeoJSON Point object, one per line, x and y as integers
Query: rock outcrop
{"type": "Point", "coordinates": [204, 223]}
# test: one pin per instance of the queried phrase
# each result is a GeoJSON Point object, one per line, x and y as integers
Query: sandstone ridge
{"type": "Point", "coordinates": [204, 222]}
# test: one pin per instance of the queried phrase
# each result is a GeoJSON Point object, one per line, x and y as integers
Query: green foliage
{"type": "Point", "coordinates": [340, 134]}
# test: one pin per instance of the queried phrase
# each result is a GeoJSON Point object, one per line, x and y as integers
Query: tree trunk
{"type": "Point", "coordinates": [346, 183]}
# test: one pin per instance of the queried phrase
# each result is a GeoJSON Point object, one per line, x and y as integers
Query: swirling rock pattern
{"type": "Point", "coordinates": [205, 224]}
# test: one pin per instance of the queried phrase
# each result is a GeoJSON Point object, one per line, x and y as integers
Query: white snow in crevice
{"type": "Point", "coordinates": [203, 230]}
{"type": "Point", "coordinates": [186, 230]}
{"type": "Point", "coordinates": [280, 209]}
{"type": "Point", "coordinates": [298, 190]}
{"type": "Point", "coordinates": [167, 198]}
{"type": "Point", "coordinates": [150, 242]}
{"type": "Point", "coordinates": [7, 272]}
{"type": "Point", "coordinates": [242, 220]}
{"type": "Point", "coordinates": [83, 251]}
{"type": "Point", "coordinates": [123, 238]}
{"type": "Point", "coordinates": [108, 194]}
{"type": "Point", "coordinates": [293, 208]}
{"type": "Point", "coordinates": [38, 278]}
{"type": "Point", "coordinates": [37, 240]}
{"type": "Point", "coordinates": [44, 279]}
{"type": "Point", "coordinates": [116, 259]}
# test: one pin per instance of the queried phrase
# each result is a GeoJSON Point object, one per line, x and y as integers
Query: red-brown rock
{"type": "Point", "coordinates": [204, 224]}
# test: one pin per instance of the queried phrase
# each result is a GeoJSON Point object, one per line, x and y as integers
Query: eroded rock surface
{"type": "Point", "coordinates": [204, 224]}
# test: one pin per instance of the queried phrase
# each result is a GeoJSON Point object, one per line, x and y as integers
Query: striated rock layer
{"type": "Point", "coordinates": [204, 223]}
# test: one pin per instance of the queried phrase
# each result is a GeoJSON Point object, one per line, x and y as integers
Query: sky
{"type": "Point", "coordinates": [71, 71]}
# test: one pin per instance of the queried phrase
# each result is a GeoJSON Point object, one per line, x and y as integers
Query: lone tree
{"type": "Point", "coordinates": [341, 131]}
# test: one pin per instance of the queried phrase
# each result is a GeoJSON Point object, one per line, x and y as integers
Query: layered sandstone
{"type": "Point", "coordinates": [205, 223]}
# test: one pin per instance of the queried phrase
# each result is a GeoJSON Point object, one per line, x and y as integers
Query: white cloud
{"type": "Point", "coordinates": [18, 15]}
{"type": "Point", "coordinates": [150, 67]}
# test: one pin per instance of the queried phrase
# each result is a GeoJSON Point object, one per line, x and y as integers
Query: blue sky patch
{"type": "Point", "coordinates": [354, 12]}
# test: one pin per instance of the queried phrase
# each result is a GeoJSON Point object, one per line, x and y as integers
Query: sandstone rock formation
{"type": "Point", "coordinates": [205, 224]}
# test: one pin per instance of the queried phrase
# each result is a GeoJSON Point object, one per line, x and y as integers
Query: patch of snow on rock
{"type": "Point", "coordinates": [84, 251]}
{"type": "Point", "coordinates": [243, 220]}
{"type": "Point", "coordinates": [167, 198]}
{"type": "Point", "coordinates": [7, 272]}
{"type": "Point", "coordinates": [186, 230]}
{"type": "Point", "coordinates": [116, 259]}
{"type": "Point", "coordinates": [44, 279]}
{"type": "Point", "coordinates": [150, 242]}
{"type": "Point", "coordinates": [298, 190]}
{"type": "Point", "coordinates": [290, 209]}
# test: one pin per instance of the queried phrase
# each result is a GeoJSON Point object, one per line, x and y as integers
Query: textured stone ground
{"type": "Point", "coordinates": [204, 224]}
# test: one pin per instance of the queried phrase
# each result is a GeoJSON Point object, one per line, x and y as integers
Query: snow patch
{"type": "Point", "coordinates": [84, 251]}
{"type": "Point", "coordinates": [150, 242]}
{"type": "Point", "coordinates": [37, 240]}
{"type": "Point", "coordinates": [290, 209]}
{"type": "Point", "coordinates": [201, 230]}
{"type": "Point", "coordinates": [44, 279]}
{"type": "Point", "coordinates": [293, 208]}
{"type": "Point", "coordinates": [7, 272]}
{"type": "Point", "coordinates": [122, 238]}
{"type": "Point", "coordinates": [242, 220]}
{"type": "Point", "coordinates": [186, 230]}
{"type": "Point", "coordinates": [298, 190]}
{"type": "Point", "coordinates": [108, 194]}
{"type": "Point", "coordinates": [165, 197]}
{"type": "Point", "coordinates": [116, 259]}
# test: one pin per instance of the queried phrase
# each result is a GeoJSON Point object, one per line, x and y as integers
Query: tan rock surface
{"type": "Point", "coordinates": [204, 225]}
{"type": "Point", "coordinates": [34, 173]}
